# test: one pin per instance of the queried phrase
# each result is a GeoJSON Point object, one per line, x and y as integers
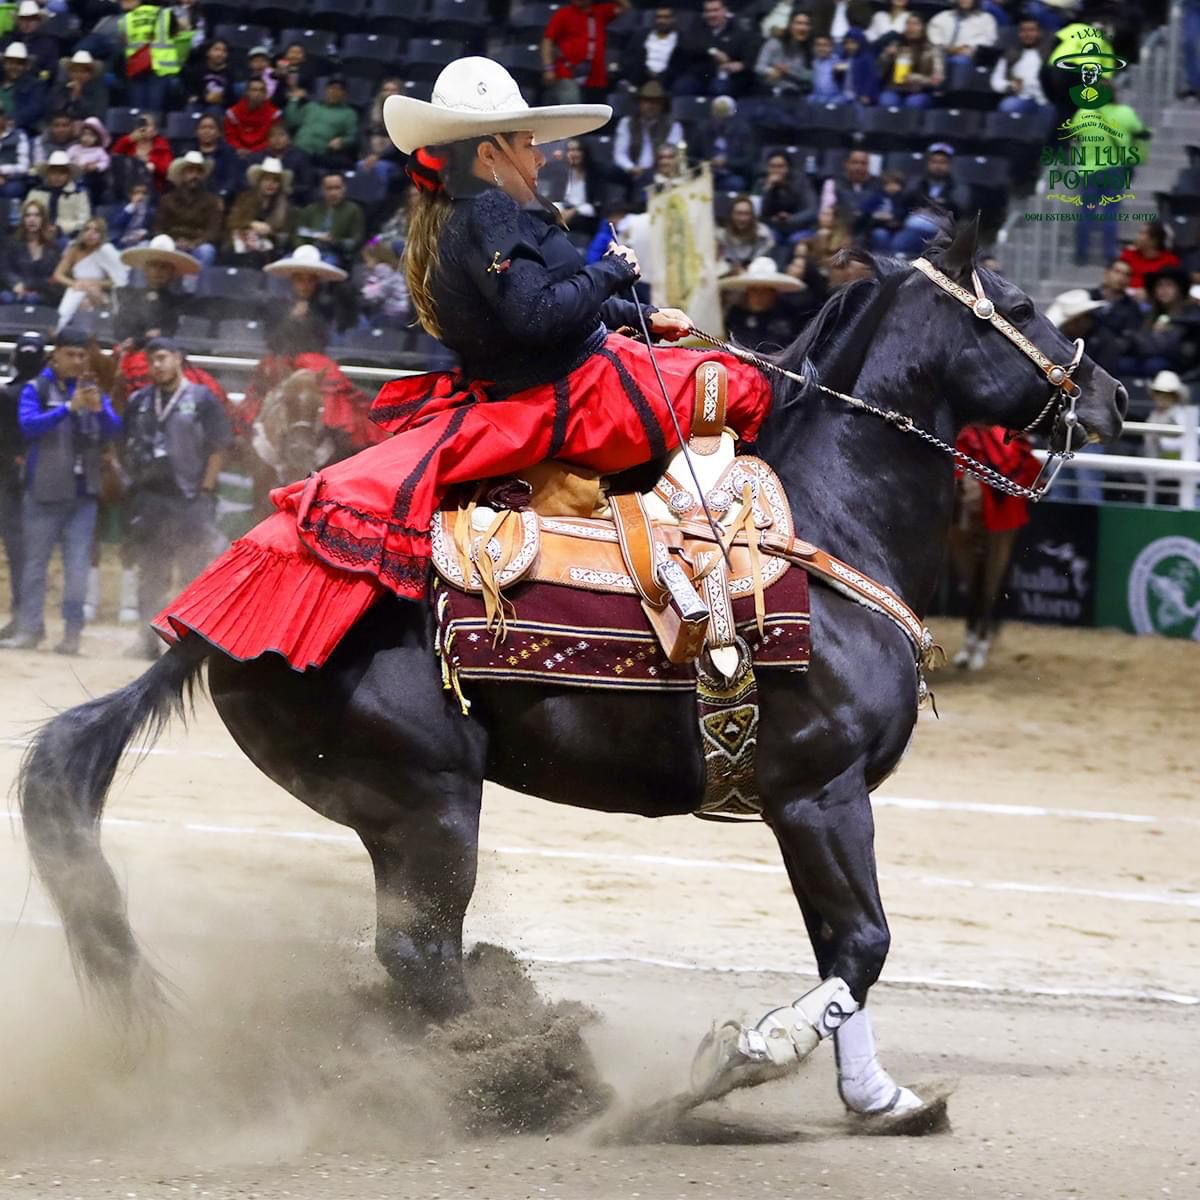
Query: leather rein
{"type": "Point", "coordinates": [1059, 409]}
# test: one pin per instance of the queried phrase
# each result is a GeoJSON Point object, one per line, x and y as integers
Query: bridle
{"type": "Point", "coordinates": [1058, 410]}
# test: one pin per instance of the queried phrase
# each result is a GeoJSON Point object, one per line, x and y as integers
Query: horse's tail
{"type": "Point", "coordinates": [62, 786]}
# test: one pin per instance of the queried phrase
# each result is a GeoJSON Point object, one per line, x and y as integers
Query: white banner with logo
{"type": "Point", "coordinates": [681, 260]}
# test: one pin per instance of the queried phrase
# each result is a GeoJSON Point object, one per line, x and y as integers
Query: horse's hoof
{"type": "Point", "coordinates": [722, 1064]}
{"type": "Point", "coordinates": [909, 1116]}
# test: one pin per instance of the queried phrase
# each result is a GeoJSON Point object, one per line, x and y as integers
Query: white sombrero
{"type": "Point", "coordinates": [193, 158]}
{"type": "Point", "coordinates": [1068, 305]}
{"type": "Point", "coordinates": [762, 272]}
{"type": "Point", "coordinates": [161, 249]}
{"type": "Point", "coordinates": [476, 96]}
{"type": "Point", "coordinates": [269, 166]}
{"type": "Point", "coordinates": [308, 259]}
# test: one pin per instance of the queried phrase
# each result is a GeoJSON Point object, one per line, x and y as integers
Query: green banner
{"type": "Point", "coordinates": [1148, 575]}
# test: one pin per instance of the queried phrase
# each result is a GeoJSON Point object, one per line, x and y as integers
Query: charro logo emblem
{"type": "Point", "coordinates": [1164, 588]}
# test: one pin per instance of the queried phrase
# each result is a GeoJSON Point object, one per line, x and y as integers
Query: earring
{"type": "Point", "coordinates": [495, 177]}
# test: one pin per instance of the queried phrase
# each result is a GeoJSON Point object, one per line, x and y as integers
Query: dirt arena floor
{"type": "Point", "coordinates": [1040, 863]}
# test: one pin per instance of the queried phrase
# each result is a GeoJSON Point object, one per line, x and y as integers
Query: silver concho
{"type": "Point", "coordinates": [1056, 375]}
{"type": "Point", "coordinates": [719, 500]}
{"type": "Point", "coordinates": [681, 502]}
{"type": "Point", "coordinates": [984, 308]}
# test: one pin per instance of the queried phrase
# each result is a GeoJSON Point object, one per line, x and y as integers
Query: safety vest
{"type": "Point", "coordinates": [150, 25]}
{"type": "Point", "coordinates": [8, 18]}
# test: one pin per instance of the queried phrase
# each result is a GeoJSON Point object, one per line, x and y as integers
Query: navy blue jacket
{"type": "Point", "coordinates": [514, 298]}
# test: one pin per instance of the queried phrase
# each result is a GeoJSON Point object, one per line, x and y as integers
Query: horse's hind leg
{"type": "Point", "coordinates": [424, 865]}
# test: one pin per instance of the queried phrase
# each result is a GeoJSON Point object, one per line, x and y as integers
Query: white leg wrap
{"type": "Point", "coordinates": [91, 598]}
{"type": "Point", "coordinates": [865, 1087]}
{"type": "Point", "coordinates": [129, 597]}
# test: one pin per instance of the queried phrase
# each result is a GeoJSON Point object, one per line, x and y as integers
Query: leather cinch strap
{"type": "Point", "coordinates": [636, 535]}
{"type": "Point", "coordinates": [708, 415]}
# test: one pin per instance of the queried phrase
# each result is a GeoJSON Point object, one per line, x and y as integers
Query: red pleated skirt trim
{"type": "Point", "coordinates": [262, 596]}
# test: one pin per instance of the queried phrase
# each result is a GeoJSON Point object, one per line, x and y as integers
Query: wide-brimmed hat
{"type": "Point", "coordinates": [1068, 305]}
{"type": "Point", "coordinates": [16, 50]}
{"type": "Point", "coordinates": [762, 272]}
{"type": "Point", "coordinates": [653, 90]}
{"type": "Point", "coordinates": [476, 96]}
{"type": "Point", "coordinates": [81, 58]}
{"type": "Point", "coordinates": [1168, 381]}
{"type": "Point", "coordinates": [29, 8]}
{"type": "Point", "coordinates": [1179, 274]}
{"type": "Point", "coordinates": [269, 166]}
{"type": "Point", "coordinates": [193, 158]}
{"type": "Point", "coordinates": [161, 249]}
{"type": "Point", "coordinates": [58, 158]}
{"type": "Point", "coordinates": [305, 259]}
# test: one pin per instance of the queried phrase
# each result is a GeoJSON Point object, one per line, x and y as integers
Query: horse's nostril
{"type": "Point", "coordinates": [1122, 399]}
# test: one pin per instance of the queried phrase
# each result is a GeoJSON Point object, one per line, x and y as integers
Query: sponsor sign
{"type": "Point", "coordinates": [1052, 578]}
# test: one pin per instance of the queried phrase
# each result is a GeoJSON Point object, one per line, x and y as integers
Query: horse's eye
{"type": "Point", "coordinates": [1021, 313]}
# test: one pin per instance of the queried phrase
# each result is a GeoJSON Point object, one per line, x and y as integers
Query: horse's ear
{"type": "Point", "coordinates": [959, 257]}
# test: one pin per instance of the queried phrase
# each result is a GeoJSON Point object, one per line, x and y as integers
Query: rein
{"type": "Point", "coordinates": [1061, 404]}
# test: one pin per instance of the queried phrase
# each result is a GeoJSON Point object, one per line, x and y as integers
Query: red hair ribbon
{"type": "Point", "coordinates": [425, 170]}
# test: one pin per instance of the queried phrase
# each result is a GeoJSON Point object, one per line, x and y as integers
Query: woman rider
{"type": "Point", "coordinates": [497, 280]}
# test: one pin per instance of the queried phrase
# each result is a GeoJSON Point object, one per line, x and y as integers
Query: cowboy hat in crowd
{"type": "Point", "coordinates": [58, 158]}
{"type": "Point", "coordinates": [762, 272]}
{"type": "Point", "coordinates": [269, 166]}
{"type": "Point", "coordinates": [193, 158]}
{"type": "Point", "coordinates": [305, 259]}
{"type": "Point", "coordinates": [1066, 306]}
{"type": "Point", "coordinates": [161, 249]}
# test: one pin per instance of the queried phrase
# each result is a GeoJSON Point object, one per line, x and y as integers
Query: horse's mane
{"type": "Point", "coordinates": [846, 322]}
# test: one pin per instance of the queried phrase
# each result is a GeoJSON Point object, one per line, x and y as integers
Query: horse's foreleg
{"type": "Point", "coordinates": [828, 845]}
{"type": "Point", "coordinates": [425, 865]}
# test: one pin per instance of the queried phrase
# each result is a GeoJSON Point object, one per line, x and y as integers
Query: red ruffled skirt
{"type": "Point", "coordinates": [298, 581]}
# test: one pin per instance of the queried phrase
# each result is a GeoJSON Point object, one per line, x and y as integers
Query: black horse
{"type": "Point", "coordinates": [372, 740]}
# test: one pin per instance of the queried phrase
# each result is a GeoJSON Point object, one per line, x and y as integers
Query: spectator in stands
{"type": "Point", "coordinates": [155, 308]}
{"type": "Point", "coordinates": [835, 18]}
{"type": "Point", "coordinates": [59, 134]}
{"type": "Point", "coordinates": [31, 256]}
{"type": "Point", "coordinates": [22, 94]}
{"type": "Point", "coordinates": [153, 56]}
{"type": "Point", "coordinates": [133, 223]}
{"type": "Point", "coordinates": [89, 156]}
{"type": "Point", "coordinates": [574, 51]}
{"type": "Point", "coordinates": [258, 66]}
{"type": "Point", "coordinates": [889, 24]}
{"type": "Point", "coordinates": [1168, 396]}
{"type": "Point", "coordinates": [1191, 49]}
{"type": "Point", "coordinates": [294, 70]}
{"type": "Point", "coordinates": [208, 78]}
{"type": "Point", "coordinates": [191, 214]}
{"type": "Point", "coordinates": [1077, 315]}
{"type": "Point", "coordinates": [1121, 312]}
{"type": "Point", "coordinates": [279, 145]}
{"type": "Point", "coordinates": [225, 167]}
{"type": "Point", "coordinates": [80, 91]}
{"type": "Point", "coordinates": [42, 47]}
{"type": "Point", "coordinates": [888, 219]}
{"type": "Point", "coordinates": [88, 272]}
{"type": "Point", "coordinates": [176, 440]}
{"type": "Point", "coordinates": [29, 357]}
{"type": "Point", "coordinates": [144, 145]}
{"type": "Point", "coordinates": [308, 273]}
{"type": "Point", "coordinates": [1017, 73]}
{"type": "Point", "coordinates": [1148, 253]}
{"type": "Point", "coordinates": [259, 224]}
{"type": "Point", "coordinates": [638, 136]}
{"type": "Point", "coordinates": [721, 59]}
{"type": "Point", "coordinates": [806, 301]}
{"type": "Point", "coordinates": [659, 55]}
{"type": "Point", "coordinates": [668, 165]}
{"type": "Point", "coordinates": [335, 225]}
{"type": "Point", "coordinates": [855, 195]}
{"type": "Point", "coordinates": [911, 68]}
{"type": "Point", "coordinates": [249, 121]}
{"type": "Point", "coordinates": [756, 317]}
{"type": "Point", "coordinates": [744, 237]}
{"type": "Point", "coordinates": [727, 142]}
{"type": "Point", "coordinates": [826, 86]}
{"type": "Point", "coordinates": [962, 30]}
{"type": "Point", "coordinates": [936, 188]}
{"type": "Point", "coordinates": [784, 65]}
{"type": "Point", "coordinates": [65, 201]}
{"type": "Point", "coordinates": [383, 296]}
{"type": "Point", "coordinates": [857, 68]}
{"type": "Point", "coordinates": [831, 236]}
{"type": "Point", "coordinates": [14, 165]}
{"type": "Point", "coordinates": [328, 131]}
{"type": "Point", "coordinates": [64, 419]}
{"type": "Point", "coordinates": [1169, 339]}
{"type": "Point", "coordinates": [789, 204]}
{"type": "Point", "coordinates": [574, 185]}
{"type": "Point", "coordinates": [373, 123]}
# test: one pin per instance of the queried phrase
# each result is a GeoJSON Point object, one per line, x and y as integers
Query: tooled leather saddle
{"type": "Point", "coordinates": [578, 530]}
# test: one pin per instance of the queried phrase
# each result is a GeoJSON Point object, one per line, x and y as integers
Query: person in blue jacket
{"type": "Point", "coordinates": [64, 419]}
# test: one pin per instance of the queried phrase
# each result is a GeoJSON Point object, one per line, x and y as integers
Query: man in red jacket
{"type": "Point", "coordinates": [249, 121]}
